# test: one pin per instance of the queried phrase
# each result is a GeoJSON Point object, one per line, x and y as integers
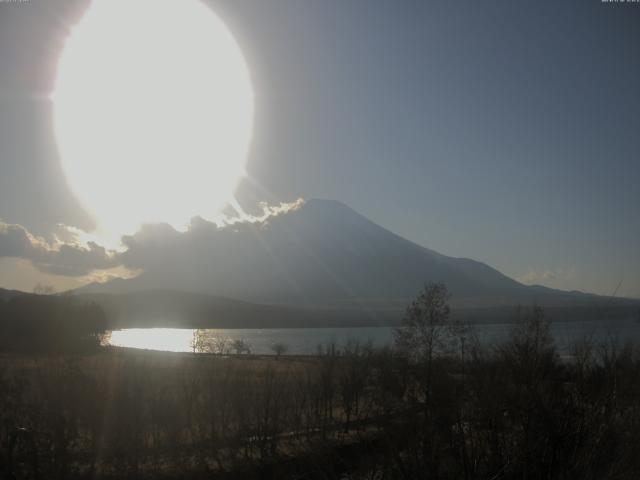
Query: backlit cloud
{"type": "Point", "coordinates": [70, 252]}
{"type": "Point", "coordinates": [66, 256]}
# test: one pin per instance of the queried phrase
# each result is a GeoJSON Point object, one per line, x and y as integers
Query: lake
{"type": "Point", "coordinates": [305, 341]}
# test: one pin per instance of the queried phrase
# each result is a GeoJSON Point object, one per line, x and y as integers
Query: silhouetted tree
{"type": "Point", "coordinates": [279, 349]}
{"type": "Point", "coordinates": [45, 322]}
{"type": "Point", "coordinates": [240, 346]}
{"type": "Point", "coordinates": [426, 326]}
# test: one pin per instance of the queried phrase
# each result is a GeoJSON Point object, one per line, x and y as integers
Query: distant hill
{"type": "Point", "coordinates": [169, 308]}
{"type": "Point", "coordinates": [166, 308]}
{"type": "Point", "coordinates": [9, 294]}
{"type": "Point", "coordinates": [326, 255]}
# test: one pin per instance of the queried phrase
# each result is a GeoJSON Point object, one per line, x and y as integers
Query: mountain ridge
{"type": "Point", "coordinates": [321, 254]}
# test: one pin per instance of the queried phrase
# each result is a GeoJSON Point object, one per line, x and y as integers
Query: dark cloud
{"type": "Point", "coordinates": [15, 241]}
{"type": "Point", "coordinates": [153, 248]}
{"type": "Point", "coordinates": [69, 259]}
{"type": "Point", "coordinates": [249, 258]}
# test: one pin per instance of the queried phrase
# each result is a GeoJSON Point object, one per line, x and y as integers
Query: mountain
{"type": "Point", "coordinates": [323, 254]}
{"type": "Point", "coordinates": [9, 294]}
{"type": "Point", "coordinates": [167, 308]}
{"type": "Point", "coordinates": [170, 308]}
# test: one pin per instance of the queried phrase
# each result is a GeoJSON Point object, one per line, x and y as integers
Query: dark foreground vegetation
{"type": "Point", "coordinates": [438, 405]}
{"type": "Point", "coordinates": [47, 323]}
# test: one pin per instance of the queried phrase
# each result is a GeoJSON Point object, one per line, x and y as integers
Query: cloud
{"type": "Point", "coordinates": [269, 211]}
{"type": "Point", "coordinates": [15, 241]}
{"type": "Point", "coordinates": [266, 212]}
{"type": "Point", "coordinates": [68, 251]}
{"type": "Point", "coordinates": [249, 257]}
{"type": "Point", "coordinates": [149, 247]}
{"type": "Point", "coordinates": [67, 255]}
{"type": "Point", "coordinates": [546, 275]}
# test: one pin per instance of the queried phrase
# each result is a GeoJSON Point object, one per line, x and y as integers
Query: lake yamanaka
{"type": "Point", "coordinates": [305, 341]}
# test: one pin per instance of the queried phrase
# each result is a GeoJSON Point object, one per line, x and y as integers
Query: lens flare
{"type": "Point", "coordinates": [153, 112]}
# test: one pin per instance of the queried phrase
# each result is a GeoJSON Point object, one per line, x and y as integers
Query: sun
{"type": "Point", "coordinates": [153, 112]}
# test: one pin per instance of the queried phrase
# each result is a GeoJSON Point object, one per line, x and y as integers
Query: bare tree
{"type": "Point", "coordinates": [199, 341]}
{"type": "Point", "coordinates": [206, 342]}
{"type": "Point", "coordinates": [240, 346]}
{"type": "Point", "coordinates": [426, 326]}
{"type": "Point", "coordinates": [530, 351]}
{"type": "Point", "coordinates": [279, 348]}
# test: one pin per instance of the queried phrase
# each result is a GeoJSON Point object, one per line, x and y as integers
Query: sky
{"type": "Point", "coordinates": [503, 131]}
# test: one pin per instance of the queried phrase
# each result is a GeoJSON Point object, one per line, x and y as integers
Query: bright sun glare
{"type": "Point", "coordinates": [153, 111]}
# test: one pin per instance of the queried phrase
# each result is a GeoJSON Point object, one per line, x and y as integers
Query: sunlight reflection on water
{"type": "Point", "coordinates": [166, 339]}
{"type": "Point", "coordinates": [299, 341]}
{"type": "Point", "coordinates": [305, 341]}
